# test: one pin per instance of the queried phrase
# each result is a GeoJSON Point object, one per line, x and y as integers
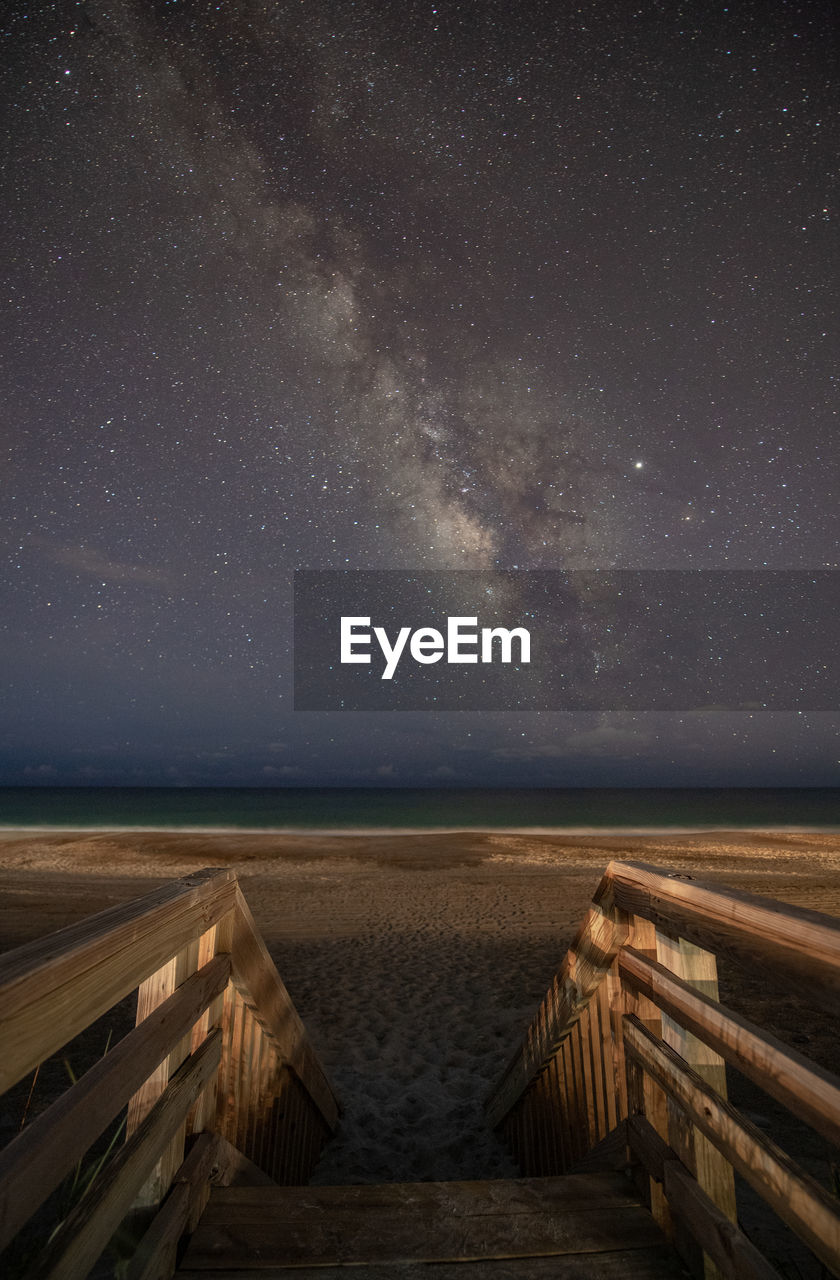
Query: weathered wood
{"type": "Point", "coordinates": [203, 1114]}
{"type": "Point", "coordinates": [806, 1207]}
{"type": "Point", "coordinates": [733, 1254]}
{"type": "Point", "coordinates": [647, 1097]}
{"type": "Point", "coordinates": [647, 1146]}
{"type": "Point", "coordinates": [87, 1229]}
{"type": "Point", "coordinates": [423, 1221]}
{"type": "Point", "coordinates": [227, 1080]}
{"type": "Point", "coordinates": [53, 988]}
{"type": "Point", "coordinates": [256, 976]}
{"type": "Point", "coordinates": [590, 955]}
{"type": "Point", "coordinates": [606, 1052]}
{"type": "Point", "coordinates": [809, 1091]}
{"type": "Point", "coordinates": [653, 1262]}
{"type": "Point", "coordinates": [156, 1256]}
{"type": "Point", "coordinates": [39, 1157]}
{"type": "Point", "coordinates": [211, 1160]}
{"type": "Point", "coordinates": [151, 994]}
{"type": "Point", "coordinates": [714, 1174]}
{"type": "Point", "coordinates": [801, 947]}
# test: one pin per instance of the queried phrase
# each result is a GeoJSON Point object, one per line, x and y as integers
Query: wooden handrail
{"type": "Point", "coordinates": [806, 1089]}
{"type": "Point", "coordinates": [34, 1162]}
{"type": "Point", "coordinates": [760, 934]}
{"type": "Point", "coordinates": [218, 1047]}
{"type": "Point", "coordinates": [810, 1210]}
{"type": "Point", "coordinates": [632, 1032]}
{"type": "Point", "coordinates": [55, 987]}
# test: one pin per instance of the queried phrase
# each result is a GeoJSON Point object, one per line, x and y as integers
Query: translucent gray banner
{"type": "Point", "coordinates": [587, 640]}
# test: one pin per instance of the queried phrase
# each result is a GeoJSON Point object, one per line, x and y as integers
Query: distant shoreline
{"type": "Point", "coordinates": [16, 830]}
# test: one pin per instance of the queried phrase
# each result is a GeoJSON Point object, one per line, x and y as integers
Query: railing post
{"type": "Point", "coordinates": [644, 1096]}
{"type": "Point", "coordinates": [151, 993]}
{"type": "Point", "coordinates": [712, 1170]}
{"type": "Point", "coordinates": [614, 995]}
{"type": "Point", "coordinates": [212, 943]}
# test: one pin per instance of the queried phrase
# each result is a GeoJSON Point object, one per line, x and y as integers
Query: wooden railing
{"type": "Point", "coordinates": [632, 1031]}
{"type": "Point", "coordinates": [218, 1051]}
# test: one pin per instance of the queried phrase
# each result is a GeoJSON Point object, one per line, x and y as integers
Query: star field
{"type": "Point", "coordinates": [399, 285]}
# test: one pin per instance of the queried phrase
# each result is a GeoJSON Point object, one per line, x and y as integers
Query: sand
{"type": "Point", "coordinates": [417, 961]}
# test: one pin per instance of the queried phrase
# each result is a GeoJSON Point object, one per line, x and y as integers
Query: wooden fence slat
{"type": "Point", "coordinates": [255, 974]}
{"type": "Point", "coordinates": [36, 1160]}
{"type": "Point", "coordinates": [87, 1229]}
{"type": "Point", "coordinates": [809, 1091]}
{"type": "Point", "coordinates": [53, 988]}
{"type": "Point", "coordinates": [590, 955]}
{"type": "Point", "coordinates": [806, 1207]}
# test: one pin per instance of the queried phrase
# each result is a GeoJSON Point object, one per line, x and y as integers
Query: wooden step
{"type": "Point", "coordinates": [578, 1227]}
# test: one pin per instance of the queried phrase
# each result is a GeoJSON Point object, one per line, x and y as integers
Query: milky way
{"type": "Point", "coordinates": [399, 285]}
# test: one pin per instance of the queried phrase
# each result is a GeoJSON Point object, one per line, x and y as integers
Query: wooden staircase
{"type": "Point", "coordinates": [225, 1106]}
{"type": "Point", "coordinates": [577, 1227]}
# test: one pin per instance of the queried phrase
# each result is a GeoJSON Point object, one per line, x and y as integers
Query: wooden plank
{"type": "Point", "coordinates": [422, 1221]}
{"type": "Point", "coordinates": [734, 1256]}
{"type": "Point", "coordinates": [228, 1121]}
{"type": "Point", "coordinates": [158, 987]}
{"type": "Point", "coordinates": [809, 1091]}
{"type": "Point", "coordinates": [211, 1158]}
{"type": "Point", "coordinates": [648, 1098]}
{"type": "Point", "coordinates": [203, 1113]}
{"type": "Point", "coordinates": [255, 974]}
{"type": "Point", "coordinates": [647, 1146]}
{"type": "Point", "coordinates": [156, 1256]}
{"type": "Point", "coordinates": [210, 1109]}
{"type": "Point", "coordinates": [653, 1262]}
{"type": "Point", "coordinates": [281, 1127]}
{"type": "Point", "coordinates": [717, 1235]}
{"type": "Point", "coordinates": [558, 1164]}
{"type": "Point", "coordinates": [573, 1127]}
{"type": "Point", "coordinates": [153, 1190]}
{"type": "Point", "coordinates": [606, 1051]}
{"type": "Point", "coordinates": [800, 1201]}
{"type": "Point", "coordinates": [87, 1229]}
{"type": "Point", "coordinates": [582, 1036]}
{"type": "Point", "coordinates": [39, 1157]}
{"type": "Point", "coordinates": [801, 947]}
{"type": "Point", "coordinates": [53, 988]}
{"type": "Point", "coordinates": [246, 1080]}
{"type": "Point", "coordinates": [698, 969]}
{"type": "Point", "coordinates": [595, 946]}
{"type": "Point", "coordinates": [231, 1028]}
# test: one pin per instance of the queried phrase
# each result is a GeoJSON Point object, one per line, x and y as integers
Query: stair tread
{"type": "Point", "coordinates": [656, 1262]}
{"type": "Point", "coordinates": [592, 1221]}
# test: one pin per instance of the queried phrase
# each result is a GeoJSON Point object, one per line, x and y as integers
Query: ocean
{"type": "Point", "coordinates": [383, 809]}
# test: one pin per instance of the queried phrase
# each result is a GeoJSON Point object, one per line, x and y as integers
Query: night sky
{"type": "Point", "coordinates": [397, 285]}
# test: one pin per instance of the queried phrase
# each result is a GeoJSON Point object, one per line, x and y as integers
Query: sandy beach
{"type": "Point", "coordinates": [417, 960]}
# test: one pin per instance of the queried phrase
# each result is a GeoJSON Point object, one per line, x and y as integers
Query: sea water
{"type": "Point", "coordinates": [310, 809]}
